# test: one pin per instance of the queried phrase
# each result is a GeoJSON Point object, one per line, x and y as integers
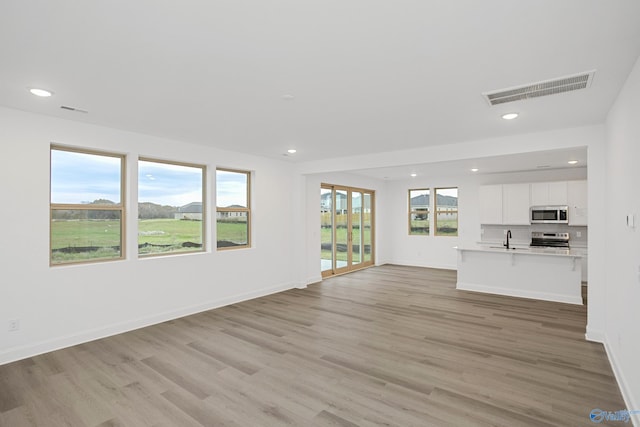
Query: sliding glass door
{"type": "Point", "coordinates": [346, 229]}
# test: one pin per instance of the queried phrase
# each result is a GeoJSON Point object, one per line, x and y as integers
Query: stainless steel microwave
{"type": "Point", "coordinates": [549, 214]}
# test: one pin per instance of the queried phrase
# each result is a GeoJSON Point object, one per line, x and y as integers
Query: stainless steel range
{"type": "Point", "coordinates": [549, 240]}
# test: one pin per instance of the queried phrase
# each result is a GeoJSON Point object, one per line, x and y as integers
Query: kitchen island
{"type": "Point", "coordinates": [538, 273]}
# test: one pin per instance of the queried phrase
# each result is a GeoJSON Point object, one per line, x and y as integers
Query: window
{"type": "Point", "coordinates": [233, 210]}
{"type": "Point", "coordinates": [170, 207]}
{"type": "Point", "coordinates": [419, 207]}
{"type": "Point", "coordinates": [86, 206]}
{"type": "Point", "coordinates": [446, 217]}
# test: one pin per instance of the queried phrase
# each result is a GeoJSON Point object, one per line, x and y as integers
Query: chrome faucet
{"type": "Point", "coordinates": [506, 245]}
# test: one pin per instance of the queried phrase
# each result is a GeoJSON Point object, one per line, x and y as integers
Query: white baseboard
{"type": "Point", "coordinates": [29, 350]}
{"type": "Point", "coordinates": [594, 335]}
{"type": "Point", "coordinates": [625, 386]}
{"type": "Point", "coordinates": [313, 279]}
{"type": "Point", "coordinates": [518, 293]}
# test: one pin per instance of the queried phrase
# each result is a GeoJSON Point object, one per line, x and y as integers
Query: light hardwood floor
{"type": "Point", "coordinates": [389, 345]}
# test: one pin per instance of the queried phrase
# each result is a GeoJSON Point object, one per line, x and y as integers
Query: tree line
{"type": "Point", "coordinates": [441, 200]}
{"type": "Point", "coordinates": [146, 210]}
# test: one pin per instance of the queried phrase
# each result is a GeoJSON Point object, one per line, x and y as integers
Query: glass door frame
{"type": "Point", "coordinates": [364, 261]}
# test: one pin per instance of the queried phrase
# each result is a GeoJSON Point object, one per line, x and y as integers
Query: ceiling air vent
{"type": "Point", "coordinates": [544, 88]}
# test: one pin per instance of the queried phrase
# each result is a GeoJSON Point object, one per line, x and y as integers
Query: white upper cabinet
{"type": "Point", "coordinates": [577, 202]}
{"type": "Point", "coordinates": [490, 204]}
{"type": "Point", "coordinates": [549, 193]}
{"type": "Point", "coordinates": [504, 204]}
{"type": "Point", "coordinates": [515, 203]}
{"type": "Point", "coordinates": [509, 204]}
{"type": "Point", "coordinates": [558, 193]}
{"type": "Point", "coordinates": [539, 193]}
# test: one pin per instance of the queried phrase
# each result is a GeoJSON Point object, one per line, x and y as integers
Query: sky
{"type": "Point", "coordinates": [82, 178]}
{"type": "Point", "coordinates": [231, 188]}
{"type": "Point", "coordinates": [167, 184]}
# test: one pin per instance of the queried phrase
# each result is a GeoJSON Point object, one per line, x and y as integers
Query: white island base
{"type": "Point", "coordinates": [527, 273]}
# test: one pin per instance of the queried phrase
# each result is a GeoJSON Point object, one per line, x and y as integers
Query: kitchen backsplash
{"type": "Point", "coordinates": [521, 234]}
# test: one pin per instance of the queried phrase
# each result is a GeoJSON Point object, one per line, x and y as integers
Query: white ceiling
{"type": "Point", "coordinates": [540, 161]}
{"type": "Point", "coordinates": [329, 78]}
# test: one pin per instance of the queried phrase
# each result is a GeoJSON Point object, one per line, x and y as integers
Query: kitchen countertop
{"type": "Point", "coordinates": [522, 250]}
{"type": "Point", "coordinates": [526, 243]}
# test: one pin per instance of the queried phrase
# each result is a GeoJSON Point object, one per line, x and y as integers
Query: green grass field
{"type": "Point", "coordinates": [419, 227]}
{"type": "Point", "coordinates": [85, 233]}
{"type": "Point", "coordinates": [341, 238]}
{"type": "Point", "coordinates": [445, 227]}
{"type": "Point", "coordinates": [104, 235]}
{"type": "Point", "coordinates": [101, 238]}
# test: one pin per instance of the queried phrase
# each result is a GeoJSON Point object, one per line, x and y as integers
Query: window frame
{"type": "Point", "coordinates": [203, 248]}
{"type": "Point", "coordinates": [412, 212]}
{"type": "Point", "coordinates": [246, 209]}
{"type": "Point", "coordinates": [116, 207]}
{"type": "Point", "coordinates": [435, 209]}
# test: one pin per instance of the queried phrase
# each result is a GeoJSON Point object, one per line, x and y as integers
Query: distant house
{"type": "Point", "coordinates": [191, 211]}
{"type": "Point", "coordinates": [342, 206]}
{"type": "Point", "coordinates": [327, 199]}
{"type": "Point", "coordinates": [228, 215]}
{"type": "Point", "coordinates": [420, 205]}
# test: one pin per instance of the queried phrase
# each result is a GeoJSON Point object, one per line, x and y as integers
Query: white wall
{"type": "Point", "coordinates": [425, 251]}
{"type": "Point", "coordinates": [437, 251]}
{"type": "Point", "coordinates": [60, 306]}
{"type": "Point", "coordinates": [393, 243]}
{"type": "Point", "coordinates": [64, 305]}
{"type": "Point", "coordinates": [592, 137]}
{"type": "Point", "coordinates": [622, 297]}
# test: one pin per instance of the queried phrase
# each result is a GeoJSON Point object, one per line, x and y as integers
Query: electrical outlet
{"type": "Point", "coordinates": [578, 233]}
{"type": "Point", "coordinates": [14, 325]}
{"type": "Point", "coordinates": [504, 232]}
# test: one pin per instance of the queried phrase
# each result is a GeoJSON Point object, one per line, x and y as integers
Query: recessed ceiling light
{"type": "Point", "coordinates": [572, 162]}
{"type": "Point", "coordinates": [40, 92]}
{"type": "Point", "coordinates": [414, 175]}
{"type": "Point", "coordinates": [510, 116]}
{"type": "Point", "coordinates": [292, 151]}
{"type": "Point", "coordinates": [474, 170]}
